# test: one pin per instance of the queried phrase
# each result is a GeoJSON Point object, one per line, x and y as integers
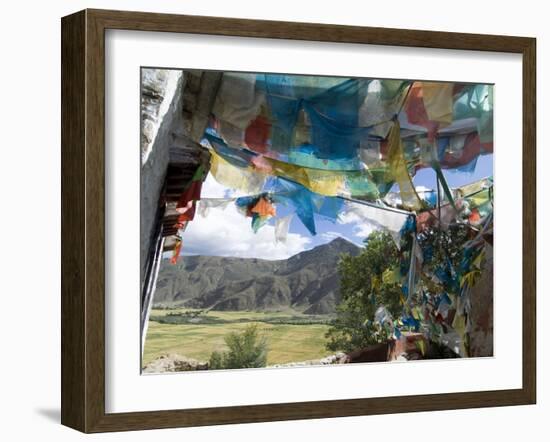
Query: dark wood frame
{"type": "Point", "coordinates": [83, 220]}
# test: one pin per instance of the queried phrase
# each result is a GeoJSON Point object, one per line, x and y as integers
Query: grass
{"type": "Point", "coordinates": [286, 342]}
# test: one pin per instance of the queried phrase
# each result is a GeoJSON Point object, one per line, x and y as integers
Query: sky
{"type": "Point", "coordinates": [484, 168]}
{"type": "Point", "coordinates": [226, 232]}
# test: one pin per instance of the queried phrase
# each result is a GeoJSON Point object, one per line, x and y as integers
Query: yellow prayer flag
{"type": "Point", "coordinates": [244, 179]}
{"type": "Point", "coordinates": [399, 171]}
{"type": "Point", "coordinates": [438, 101]}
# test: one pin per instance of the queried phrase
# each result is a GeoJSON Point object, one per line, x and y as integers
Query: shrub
{"type": "Point", "coordinates": [245, 350]}
{"type": "Point", "coordinates": [216, 360]}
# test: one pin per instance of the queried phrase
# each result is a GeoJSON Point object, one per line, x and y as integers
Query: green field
{"type": "Point", "coordinates": [287, 341]}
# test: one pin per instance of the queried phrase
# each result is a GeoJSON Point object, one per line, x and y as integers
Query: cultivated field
{"type": "Point", "coordinates": [291, 337]}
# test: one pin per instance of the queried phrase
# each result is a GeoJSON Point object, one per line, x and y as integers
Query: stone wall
{"type": "Point", "coordinates": [481, 313]}
{"type": "Point", "coordinates": [161, 115]}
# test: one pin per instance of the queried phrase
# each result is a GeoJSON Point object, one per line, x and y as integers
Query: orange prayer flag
{"type": "Point", "coordinates": [264, 208]}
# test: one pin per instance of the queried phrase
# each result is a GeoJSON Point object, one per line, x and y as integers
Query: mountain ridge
{"type": "Point", "coordinates": [306, 282]}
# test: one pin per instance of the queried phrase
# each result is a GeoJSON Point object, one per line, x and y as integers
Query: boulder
{"type": "Point", "coordinates": [171, 363]}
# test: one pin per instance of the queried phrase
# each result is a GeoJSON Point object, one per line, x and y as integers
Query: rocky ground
{"type": "Point", "coordinates": [171, 363]}
{"type": "Point", "coordinates": [327, 360]}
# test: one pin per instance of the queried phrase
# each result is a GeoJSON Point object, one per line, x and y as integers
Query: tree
{"type": "Point", "coordinates": [368, 281]}
{"type": "Point", "coordinates": [245, 350]}
{"type": "Point", "coordinates": [444, 252]}
{"type": "Point", "coordinates": [375, 278]}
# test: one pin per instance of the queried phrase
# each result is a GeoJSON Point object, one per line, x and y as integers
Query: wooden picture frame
{"type": "Point", "coordinates": [83, 220]}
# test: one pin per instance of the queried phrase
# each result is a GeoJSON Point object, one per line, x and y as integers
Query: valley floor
{"type": "Point", "coordinates": [291, 337]}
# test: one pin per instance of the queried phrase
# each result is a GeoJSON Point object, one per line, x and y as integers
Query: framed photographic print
{"type": "Point", "coordinates": [267, 221]}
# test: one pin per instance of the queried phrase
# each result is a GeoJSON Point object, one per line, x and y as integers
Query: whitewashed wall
{"type": "Point", "coordinates": [161, 115]}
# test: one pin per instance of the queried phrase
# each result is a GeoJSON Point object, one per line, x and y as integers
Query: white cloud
{"type": "Point", "coordinates": [212, 189]}
{"type": "Point", "coordinates": [364, 219]}
{"type": "Point", "coordinates": [226, 232]}
{"type": "Point", "coordinates": [329, 236]}
{"type": "Point", "coordinates": [361, 227]}
{"type": "Point", "coordinates": [363, 230]}
{"type": "Point", "coordinates": [423, 189]}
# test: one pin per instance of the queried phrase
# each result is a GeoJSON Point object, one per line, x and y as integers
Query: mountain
{"type": "Point", "coordinates": [308, 281]}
